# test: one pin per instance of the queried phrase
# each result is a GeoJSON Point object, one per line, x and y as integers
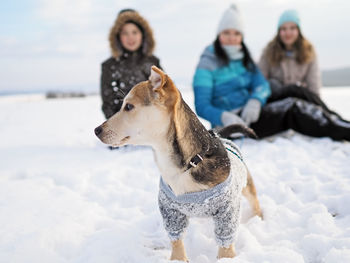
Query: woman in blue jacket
{"type": "Point", "coordinates": [229, 88]}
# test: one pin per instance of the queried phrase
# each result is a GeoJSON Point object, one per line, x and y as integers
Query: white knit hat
{"type": "Point", "coordinates": [231, 19]}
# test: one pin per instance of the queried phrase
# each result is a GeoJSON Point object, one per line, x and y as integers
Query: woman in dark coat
{"type": "Point", "coordinates": [132, 44]}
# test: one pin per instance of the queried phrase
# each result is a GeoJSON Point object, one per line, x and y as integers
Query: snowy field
{"type": "Point", "coordinates": [64, 197]}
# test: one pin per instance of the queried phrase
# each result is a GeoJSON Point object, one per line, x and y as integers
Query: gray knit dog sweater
{"type": "Point", "coordinates": [221, 202]}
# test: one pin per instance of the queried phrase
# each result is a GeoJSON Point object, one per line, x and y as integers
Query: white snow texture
{"type": "Point", "coordinates": [65, 197]}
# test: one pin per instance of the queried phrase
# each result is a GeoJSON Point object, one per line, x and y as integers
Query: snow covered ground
{"type": "Point", "coordinates": [64, 197]}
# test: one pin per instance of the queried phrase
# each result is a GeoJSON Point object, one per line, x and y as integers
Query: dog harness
{"type": "Point", "coordinates": [222, 203]}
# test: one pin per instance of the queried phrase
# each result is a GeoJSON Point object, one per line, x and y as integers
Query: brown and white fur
{"type": "Point", "coordinates": [154, 114]}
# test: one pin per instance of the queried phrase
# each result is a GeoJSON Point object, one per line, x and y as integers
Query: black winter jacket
{"type": "Point", "coordinates": [125, 69]}
{"type": "Point", "coordinates": [119, 75]}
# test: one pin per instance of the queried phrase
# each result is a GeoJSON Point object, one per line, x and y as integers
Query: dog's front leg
{"type": "Point", "coordinates": [226, 252]}
{"type": "Point", "coordinates": [178, 251]}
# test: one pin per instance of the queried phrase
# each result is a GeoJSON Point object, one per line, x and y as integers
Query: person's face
{"type": "Point", "coordinates": [131, 37]}
{"type": "Point", "coordinates": [230, 37]}
{"type": "Point", "coordinates": [289, 33]}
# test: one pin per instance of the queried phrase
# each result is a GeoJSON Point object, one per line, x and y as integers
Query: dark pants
{"type": "Point", "coordinates": [302, 116]}
{"type": "Point", "coordinates": [279, 92]}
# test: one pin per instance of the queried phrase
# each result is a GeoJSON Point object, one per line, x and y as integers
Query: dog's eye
{"type": "Point", "coordinates": [128, 107]}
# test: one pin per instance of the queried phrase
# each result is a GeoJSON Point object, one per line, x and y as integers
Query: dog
{"type": "Point", "coordinates": [201, 173]}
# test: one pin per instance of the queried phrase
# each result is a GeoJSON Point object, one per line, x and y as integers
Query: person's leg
{"type": "Point", "coordinates": [279, 92]}
{"type": "Point", "coordinates": [301, 116]}
{"type": "Point", "coordinates": [276, 89]}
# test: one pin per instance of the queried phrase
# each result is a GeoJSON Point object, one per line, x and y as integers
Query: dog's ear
{"type": "Point", "coordinates": [157, 78]}
{"type": "Point", "coordinates": [164, 88]}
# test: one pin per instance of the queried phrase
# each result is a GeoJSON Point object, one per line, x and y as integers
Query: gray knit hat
{"type": "Point", "coordinates": [231, 19]}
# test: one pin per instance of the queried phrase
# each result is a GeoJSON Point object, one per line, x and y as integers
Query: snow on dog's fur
{"type": "Point", "coordinates": [154, 113]}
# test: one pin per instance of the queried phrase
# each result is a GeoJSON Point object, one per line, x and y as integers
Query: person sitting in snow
{"type": "Point", "coordinates": [229, 88]}
{"type": "Point", "coordinates": [289, 63]}
{"type": "Point", "coordinates": [132, 43]}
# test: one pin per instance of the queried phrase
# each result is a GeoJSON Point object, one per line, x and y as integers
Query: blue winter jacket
{"type": "Point", "coordinates": [219, 88]}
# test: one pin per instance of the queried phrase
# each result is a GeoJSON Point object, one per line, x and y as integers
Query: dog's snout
{"type": "Point", "coordinates": [98, 130]}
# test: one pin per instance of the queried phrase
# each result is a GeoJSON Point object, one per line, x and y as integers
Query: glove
{"type": "Point", "coordinates": [251, 111]}
{"type": "Point", "coordinates": [228, 118]}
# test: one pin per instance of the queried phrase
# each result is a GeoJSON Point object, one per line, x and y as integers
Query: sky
{"type": "Point", "coordinates": [60, 44]}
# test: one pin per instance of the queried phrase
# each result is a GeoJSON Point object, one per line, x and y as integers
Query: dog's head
{"type": "Point", "coordinates": [145, 115]}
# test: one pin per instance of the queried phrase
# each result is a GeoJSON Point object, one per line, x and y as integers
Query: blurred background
{"type": "Point", "coordinates": [58, 45]}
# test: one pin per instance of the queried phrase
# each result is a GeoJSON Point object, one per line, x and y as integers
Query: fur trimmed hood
{"type": "Point", "coordinates": [148, 43]}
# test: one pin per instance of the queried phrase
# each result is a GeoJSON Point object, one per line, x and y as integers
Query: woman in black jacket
{"type": "Point", "coordinates": [132, 44]}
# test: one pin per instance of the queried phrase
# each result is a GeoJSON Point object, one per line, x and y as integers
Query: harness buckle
{"type": "Point", "coordinates": [195, 160]}
{"type": "Point", "coordinates": [193, 164]}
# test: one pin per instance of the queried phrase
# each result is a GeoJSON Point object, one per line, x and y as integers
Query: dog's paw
{"type": "Point", "coordinates": [226, 252]}
{"type": "Point", "coordinates": [179, 260]}
{"type": "Point", "coordinates": [178, 251]}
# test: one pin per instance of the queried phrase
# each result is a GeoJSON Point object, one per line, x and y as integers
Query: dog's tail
{"type": "Point", "coordinates": [228, 131]}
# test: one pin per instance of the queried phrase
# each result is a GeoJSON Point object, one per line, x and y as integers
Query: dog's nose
{"type": "Point", "coordinates": [98, 130]}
